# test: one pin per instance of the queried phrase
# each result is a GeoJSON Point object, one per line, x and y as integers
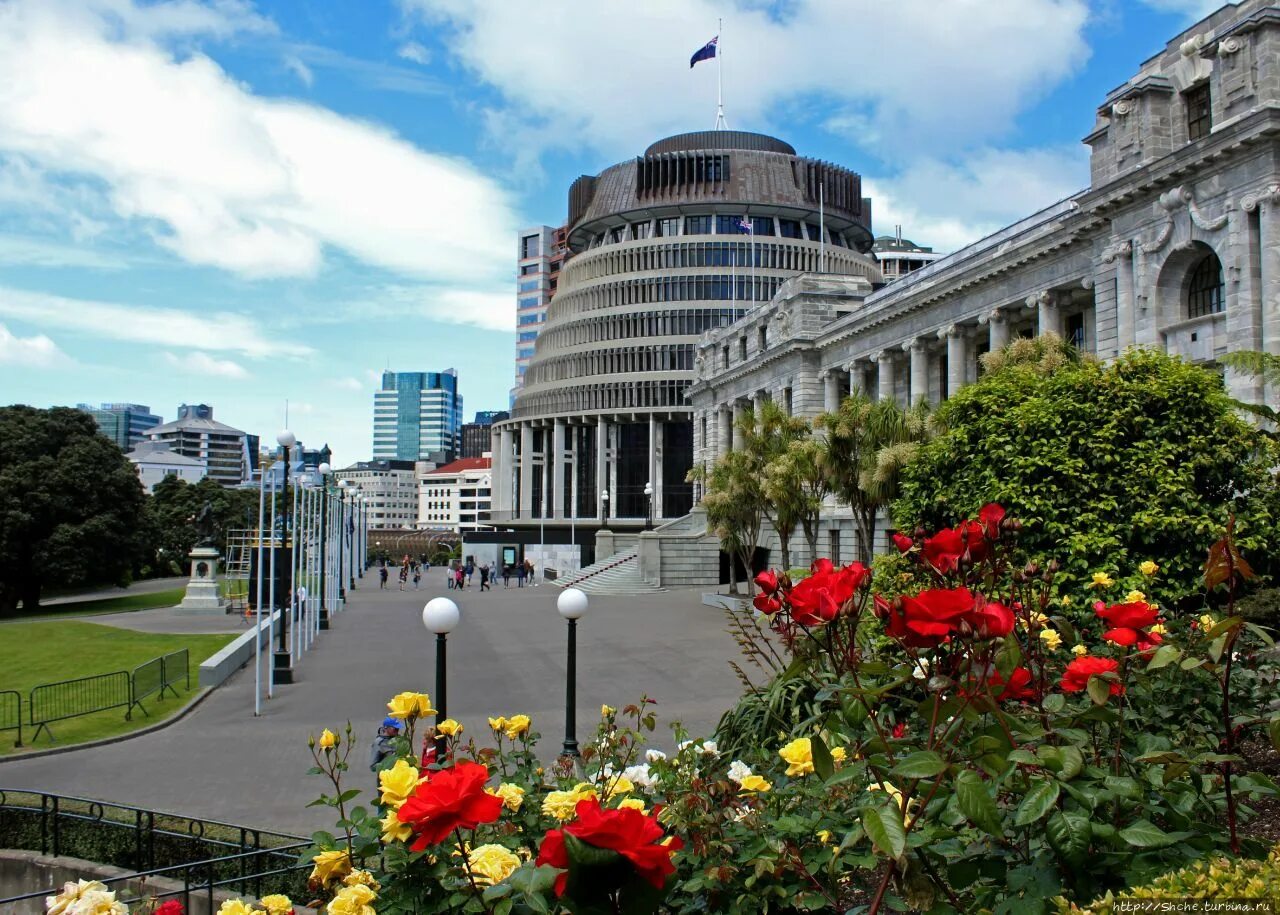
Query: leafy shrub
{"type": "Point", "coordinates": [1106, 465]}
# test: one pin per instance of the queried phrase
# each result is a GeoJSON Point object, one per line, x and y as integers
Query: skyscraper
{"type": "Point", "coordinates": [540, 254]}
{"type": "Point", "coordinates": [126, 424]}
{"type": "Point", "coordinates": [475, 435]}
{"type": "Point", "coordinates": [196, 434]}
{"type": "Point", "coordinates": [417, 414]}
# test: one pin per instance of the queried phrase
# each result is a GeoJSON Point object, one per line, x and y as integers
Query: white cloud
{"type": "Point", "coordinates": [220, 176]}
{"type": "Point", "coordinates": [213, 331]}
{"type": "Point", "coordinates": [923, 72]}
{"type": "Point", "coordinates": [350, 384]}
{"type": "Point", "coordinates": [415, 52]}
{"type": "Point", "coordinates": [492, 308]}
{"type": "Point", "coordinates": [203, 364]}
{"type": "Point", "coordinates": [300, 70]}
{"type": "Point", "coordinates": [1192, 9]}
{"type": "Point", "coordinates": [25, 251]}
{"type": "Point", "coordinates": [948, 204]}
{"type": "Point", "coordinates": [35, 352]}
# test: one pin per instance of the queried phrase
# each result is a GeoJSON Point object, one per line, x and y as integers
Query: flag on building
{"type": "Point", "coordinates": [746, 225]}
{"type": "Point", "coordinates": [706, 52]}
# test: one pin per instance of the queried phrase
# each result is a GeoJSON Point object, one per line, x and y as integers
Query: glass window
{"type": "Point", "coordinates": [526, 335]}
{"type": "Point", "coordinates": [1204, 291]}
{"type": "Point", "coordinates": [529, 302]}
{"type": "Point", "coordinates": [667, 227]}
{"type": "Point", "coordinates": [697, 225]}
{"type": "Point", "coordinates": [762, 225]}
{"type": "Point", "coordinates": [812, 232]}
{"type": "Point", "coordinates": [1199, 111]}
{"type": "Point", "coordinates": [528, 285]}
{"type": "Point", "coordinates": [529, 319]}
{"type": "Point", "coordinates": [615, 236]}
{"type": "Point", "coordinates": [728, 225]}
{"type": "Point", "coordinates": [528, 268]}
{"type": "Point", "coordinates": [789, 228]}
{"type": "Point", "coordinates": [529, 246]}
{"type": "Point", "coordinates": [640, 229]}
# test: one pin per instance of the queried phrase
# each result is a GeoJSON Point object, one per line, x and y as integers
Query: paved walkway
{"type": "Point", "coordinates": [150, 586]}
{"type": "Point", "coordinates": [506, 657]}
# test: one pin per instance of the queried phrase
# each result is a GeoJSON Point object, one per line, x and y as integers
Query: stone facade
{"type": "Point", "coordinates": [1174, 245]}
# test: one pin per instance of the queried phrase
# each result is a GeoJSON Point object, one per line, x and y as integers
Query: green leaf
{"type": "Point", "coordinates": [823, 765]}
{"type": "Point", "coordinates": [976, 802]}
{"type": "Point", "coordinates": [921, 764]}
{"type": "Point", "coordinates": [1008, 657]}
{"type": "Point", "coordinates": [1068, 835]}
{"type": "Point", "coordinates": [1039, 800]}
{"type": "Point", "coordinates": [884, 827]}
{"type": "Point", "coordinates": [1072, 763]}
{"type": "Point", "coordinates": [324, 839]}
{"type": "Point", "coordinates": [1164, 656]}
{"type": "Point", "coordinates": [1054, 703]}
{"type": "Point", "coordinates": [1099, 690]}
{"type": "Point", "coordinates": [1145, 834]}
{"type": "Point", "coordinates": [1274, 730]}
{"type": "Point", "coordinates": [1025, 757]}
{"type": "Point", "coordinates": [497, 891]}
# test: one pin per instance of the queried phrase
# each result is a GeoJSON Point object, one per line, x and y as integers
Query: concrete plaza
{"type": "Point", "coordinates": [506, 657]}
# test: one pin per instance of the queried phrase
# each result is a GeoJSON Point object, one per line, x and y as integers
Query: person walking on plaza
{"type": "Point", "coordinates": [520, 575]}
{"type": "Point", "coordinates": [460, 577]}
{"type": "Point", "coordinates": [382, 578]}
{"type": "Point", "coordinates": [484, 577]}
{"type": "Point", "coordinates": [417, 578]}
{"type": "Point", "coordinates": [528, 573]}
{"type": "Point", "coordinates": [404, 576]}
{"type": "Point", "coordinates": [506, 575]}
{"type": "Point", "coordinates": [470, 569]}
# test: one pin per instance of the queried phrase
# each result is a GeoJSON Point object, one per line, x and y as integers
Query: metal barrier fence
{"type": "Point", "coordinates": [11, 712]}
{"type": "Point", "coordinates": [196, 856]}
{"type": "Point", "coordinates": [176, 665]}
{"type": "Point", "coordinates": [146, 679]}
{"type": "Point", "coordinates": [73, 698]}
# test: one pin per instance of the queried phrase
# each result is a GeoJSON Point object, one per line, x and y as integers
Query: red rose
{"type": "Point", "coordinates": [818, 599]}
{"type": "Point", "coordinates": [454, 798]}
{"type": "Point", "coordinates": [903, 542]}
{"type": "Point", "coordinates": [1076, 676]}
{"type": "Point", "coordinates": [1018, 687]}
{"type": "Point", "coordinates": [990, 620]}
{"type": "Point", "coordinates": [929, 617]}
{"type": "Point", "coordinates": [766, 604]}
{"type": "Point", "coordinates": [169, 907]}
{"type": "Point", "coordinates": [822, 566]}
{"type": "Point", "coordinates": [899, 730]}
{"type": "Point", "coordinates": [632, 834]}
{"type": "Point", "coordinates": [1128, 624]}
{"type": "Point", "coordinates": [767, 581]}
{"type": "Point", "coordinates": [947, 547]}
{"type": "Point", "coordinates": [990, 516]}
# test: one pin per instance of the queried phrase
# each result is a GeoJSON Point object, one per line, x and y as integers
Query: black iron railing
{"type": "Point", "coordinates": [11, 713]}
{"type": "Point", "coordinates": [198, 856]}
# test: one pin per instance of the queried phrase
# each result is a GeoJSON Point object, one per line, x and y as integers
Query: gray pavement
{"type": "Point", "coordinates": [171, 619]}
{"type": "Point", "coordinates": [150, 586]}
{"type": "Point", "coordinates": [506, 657]}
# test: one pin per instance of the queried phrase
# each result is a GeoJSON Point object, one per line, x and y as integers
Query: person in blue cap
{"type": "Point", "coordinates": [384, 745]}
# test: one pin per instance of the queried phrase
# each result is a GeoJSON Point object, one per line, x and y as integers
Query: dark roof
{"type": "Point", "coordinates": [892, 243]}
{"type": "Point", "coordinates": [720, 139]}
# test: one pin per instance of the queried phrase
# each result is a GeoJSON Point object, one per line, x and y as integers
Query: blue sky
{"type": "Point", "coordinates": [246, 203]}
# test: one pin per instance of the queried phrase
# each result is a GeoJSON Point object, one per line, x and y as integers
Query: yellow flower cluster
{"type": "Point", "coordinates": [632, 803]}
{"type": "Point", "coordinates": [407, 706]}
{"type": "Point", "coordinates": [392, 829]}
{"type": "Point", "coordinates": [1102, 580]}
{"type": "Point", "coordinates": [512, 795]}
{"type": "Point", "coordinates": [237, 907]}
{"type": "Point", "coordinates": [449, 728]}
{"type": "Point", "coordinates": [511, 727]}
{"type": "Point", "coordinates": [619, 784]}
{"type": "Point", "coordinates": [824, 836]}
{"type": "Point", "coordinates": [85, 897]}
{"type": "Point", "coordinates": [1158, 629]}
{"type": "Point", "coordinates": [1052, 640]}
{"type": "Point", "coordinates": [359, 877]}
{"type": "Point", "coordinates": [1079, 650]}
{"type": "Point", "coordinates": [277, 904]}
{"type": "Point", "coordinates": [1207, 622]}
{"type": "Point", "coordinates": [754, 784]}
{"type": "Point", "coordinates": [1134, 597]}
{"type": "Point", "coordinates": [352, 900]}
{"type": "Point", "coordinates": [329, 740]}
{"type": "Point", "coordinates": [330, 866]}
{"type": "Point", "coordinates": [492, 863]}
{"type": "Point", "coordinates": [799, 756]}
{"type": "Point", "coordinates": [607, 710]}
{"type": "Point", "coordinates": [1148, 568]}
{"type": "Point", "coordinates": [563, 804]}
{"type": "Point", "coordinates": [398, 782]}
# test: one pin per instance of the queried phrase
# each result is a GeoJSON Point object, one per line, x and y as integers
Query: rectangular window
{"type": "Point", "coordinates": [762, 225]}
{"type": "Point", "coordinates": [526, 336]}
{"type": "Point", "coordinates": [529, 319]}
{"type": "Point", "coordinates": [529, 302]}
{"type": "Point", "coordinates": [789, 228]}
{"type": "Point", "coordinates": [640, 229]}
{"type": "Point", "coordinates": [668, 227]}
{"type": "Point", "coordinates": [1075, 330]}
{"type": "Point", "coordinates": [528, 268]}
{"type": "Point", "coordinates": [529, 246]}
{"type": "Point", "coordinates": [1199, 111]}
{"type": "Point", "coordinates": [697, 225]}
{"type": "Point", "coordinates": [528, 285]}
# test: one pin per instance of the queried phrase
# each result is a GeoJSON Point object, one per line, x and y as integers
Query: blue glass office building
{"type": "Point", "coordinates": [417, 414]}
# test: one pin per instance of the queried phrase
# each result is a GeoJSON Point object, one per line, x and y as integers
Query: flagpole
{"type": "Point", "coordinates": [822, 241]}
{"type": "Point", "coordinates": [721, 123]}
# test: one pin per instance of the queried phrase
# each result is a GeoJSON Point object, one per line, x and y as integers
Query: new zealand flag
{"type": "Point", "coordinates": [706, 52]}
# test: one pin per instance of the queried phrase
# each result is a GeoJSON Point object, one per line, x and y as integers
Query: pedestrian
{"type": "Point", "coordinates": [484, 577]}
{"type": "Point", "coordinates": [382, 578]}
{"type": "Point", "coordinates": [384, 745]}
{"type": "Point", "coordinates": [520, 571]}
{"type": "Point", "coordinates": [461, 578]}
{"type": "Point", "coordinates": [404, 576]}
{"type": "Point", "coordinates": [470, 570]}
{"type": "Point", "coordinates": [417, 578]}
{"type": "Point", "coordinates": [528, 573]}
{"type": "Point", "coordinates": [506, 575]}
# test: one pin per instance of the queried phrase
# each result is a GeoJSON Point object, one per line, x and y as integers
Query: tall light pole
{"type": "Point", "coordinates": [571, 604]}
{"type": "Point", "coordinates": [342, 539]}
{"type": "Point", "coordinates": [283, 661]}
{"type": "Point", "coordinates": [648, 496]}
{"type": "Point", "coordinates": [440, 616]}
{"type": "Point", "coordinates": [349, 533]}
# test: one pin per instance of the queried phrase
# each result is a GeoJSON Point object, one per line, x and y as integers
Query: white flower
{"type": "Point", "coordinates": [654, 755]}
{"type": "Point", "coordinates": [921, 670]}
{"type": "Point", "coordinates": [682, 744]}
{"type": "Point", "coordinates": [709, 748]}
{"type": "Point", "coordinates": [640, 775]}
{"type": "Point", "coordinates": [738, 770]}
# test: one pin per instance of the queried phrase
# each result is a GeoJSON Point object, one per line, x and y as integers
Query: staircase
{"type": "Point", "coordinates": [616, 574]}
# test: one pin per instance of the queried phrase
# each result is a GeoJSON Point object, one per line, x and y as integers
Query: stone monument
{"type": "Point", "coordinates": [202, 590]}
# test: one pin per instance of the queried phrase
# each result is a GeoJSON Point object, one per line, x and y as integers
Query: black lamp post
{"type": "Point", "coordinates": [648, 495]}
{"type": "Point", "coordinates": [283, 659]}
{"type": "Point", "coordinates": [351, 538]}
{"type": "Point", "coordinates": [341, 506]}
{"type": "Point", "coordinates": [604, 500]}
{"type": "Point", "coordinates": [572, 604]}
{"type": "Point", "coordinates": [440, 616]}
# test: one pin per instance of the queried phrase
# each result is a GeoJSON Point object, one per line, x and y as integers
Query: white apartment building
{"type": "Point", "coordinates": [541, 252]}
{"type": "Point", "coordinates": [457, 496]}
{"type": "Point", "coordinates": [389, 490]}
{"type": "Point", "coordinates": [156, 461]}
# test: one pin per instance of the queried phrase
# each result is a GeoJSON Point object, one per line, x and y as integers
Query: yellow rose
{"type": "Point", "coordinates": [1066, 600]}
{"type": "Point", "coordinates": [512, 795]}
{"type": "Point", "coordinates": [631, 803]}
{"type": "Point", "coordinates": [71, 892]}
{"type": "Point", "coordinates": [1134, 597]}
{"type": "Point", "coordinates": [280, 905]}
{"type": "Point", "coordinates": [398, 782]}
{"type": "Point", "coordinates": [607, 710]}
{"type": "Point", "coordinates": [888, 788]}
{"type": "Point", "coordinates": [585, 790]}
{"type": "Point", "coordinates": [1207, 622]}
{"type": "Point", "coordinates": [1158, 629]}
{"type": "Point", "coordinates": [1079, 651]}
{"type": "Point", "coordinates": [619, 785]}
{"type": "Point", "coordinates": [393, 830]}
{"type": "Point", "coordinates": [329, 866]}
{"type": "Point", "coordinates": [236, 907]}
{"type": "Point", "coordinates": [1052, 640]}
{"type": "Point", "coordinates": [410, 705]}
{"type": "Point", "coordinates": [517, 725]}
{"type": "Point", "coordinates": [498, 724]}
{"type": "Point", "coordinates": [449, 728]}
{"type": "Point", "coordinates": [560, 804]}
{"type": "Point", "coordinates": [328, 739]}
{"type": "Point", "coordinates": [754, 783]}
{"type": "Point", "coordinates": [1102, 580]}
{"type": "Point", "coordinates": [360, 877]}
{"type": "Point", "coordinates": [824, 836]}
{"type": "Point", "coordinates": [492, 863]}
{"type": "Point", "coordinates": [799, 756]}
{"type": "Point", "coordinates": [838, 754]}
{"type": "Point", "coordinates": [1148, 568]}
{"type": "Point", "coordinates": [352, 900]}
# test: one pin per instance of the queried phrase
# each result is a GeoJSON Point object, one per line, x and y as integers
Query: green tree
{"type": "Point", "coordinates": [867, 444]}
{"type": "Point", "coordinates": [70, 505]}
{"type": "Point", "coordinates": [734, 506]}
{"type": "Point", "coordinates": [1106, 465]}
{"type": "Point", "coordinates": [796, 483]}
{"type": "Point", "coordinates": [768, 438]}
{"type": "Point", "coordinates": [174, 506]}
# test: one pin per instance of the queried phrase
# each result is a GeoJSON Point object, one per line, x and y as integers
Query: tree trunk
{"type": "Point", "coordinates": [733, 572]}
{"type": "Point", "coordinates": [8, 601]}
{"type": "Point", "coordinates": [748, 554]}
{"type": "Point", "coordinates": [866, 535]}
{"type": "Point", "coordinates": [811, 537]}
{"type": "Point", "coordinates": [784, 544]}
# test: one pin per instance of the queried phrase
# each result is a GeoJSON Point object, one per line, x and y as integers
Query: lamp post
{"type": "Point", "coordinates": [349, 532]}
{"type": "Point", "coordinates": [283, 662]}
{"type": "Point", "coordinates": [571, 604]}
{"type": "Point", "coordinates": [604, 499]}
{"type": "Point", "coordinates": [440, 616]}
{"type": "Point", "coordinates": [342, 539]}
{"type": "Point", "coordinates": [648, 495]}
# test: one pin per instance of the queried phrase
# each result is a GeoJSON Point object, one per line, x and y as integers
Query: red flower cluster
{"type": "Point", "coordinates": [454, 798]}
{"type": "Point", "coordinates": [819, 598]}
{"type": "Point", "coordinates": [1129, 623]}
{"type": "Point", "coordinates": [169, 907]}
{"type": "Point", "coordinates": [1076, 676]}
{"type": "Point", "coordinates": [945, 549]}
{"type": "Point", "coordinates": [1018, 687]}
{"type": "Point", "coordinates": [632, 834]}
{"type": "Point", "coordinates": [931, 617]}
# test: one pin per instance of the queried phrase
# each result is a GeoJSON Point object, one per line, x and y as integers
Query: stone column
{"type": "Point", "coordinates": [502, 470]}
{"type": "Point", "coordinates": [957, 358]}
{"type": "Point", "coordinates": [737, 432]}
{"type": "Point", "coordinates": [1267, 203]}
{"type": "Point", "coordinates": [1122, 254]}
{"type": "Point", "coordinates": [857, 378]}
{"type": "Point", "coordinates": [526, 470]}
{"type": "Point", "coordinates": [557, 470]}
{"type": "Point", "coordinates": [919, 372]}
{"type": "Point", "coordinates": [602, 465]}
{"type": "Point", "coordinates": [724, 430]}
{"type": "Point", "coordinates": [1048, 314]}
{"type": "Point", "coordinates": [573, 432]}
{"type": "Point", "coordinates": [831, 391]}
{"type": "Point", "coordinates": [653, 461]}
{"type": "Point", "coordinates": [887, 380]}
{"type": "Point", "coordinates": [998, 329]}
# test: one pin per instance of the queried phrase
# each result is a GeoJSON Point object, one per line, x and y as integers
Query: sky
{"type": "Point", "coordinates": [260, 204]}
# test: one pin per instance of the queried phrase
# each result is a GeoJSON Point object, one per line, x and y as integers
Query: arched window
{"type": "Point", "coordinates": [1205, 288]}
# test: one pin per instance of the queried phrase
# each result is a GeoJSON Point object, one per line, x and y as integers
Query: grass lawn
{"type": "Point", "coordinates": [32, 653]}
{"type": "Point", "coordinates": [122, 604]}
